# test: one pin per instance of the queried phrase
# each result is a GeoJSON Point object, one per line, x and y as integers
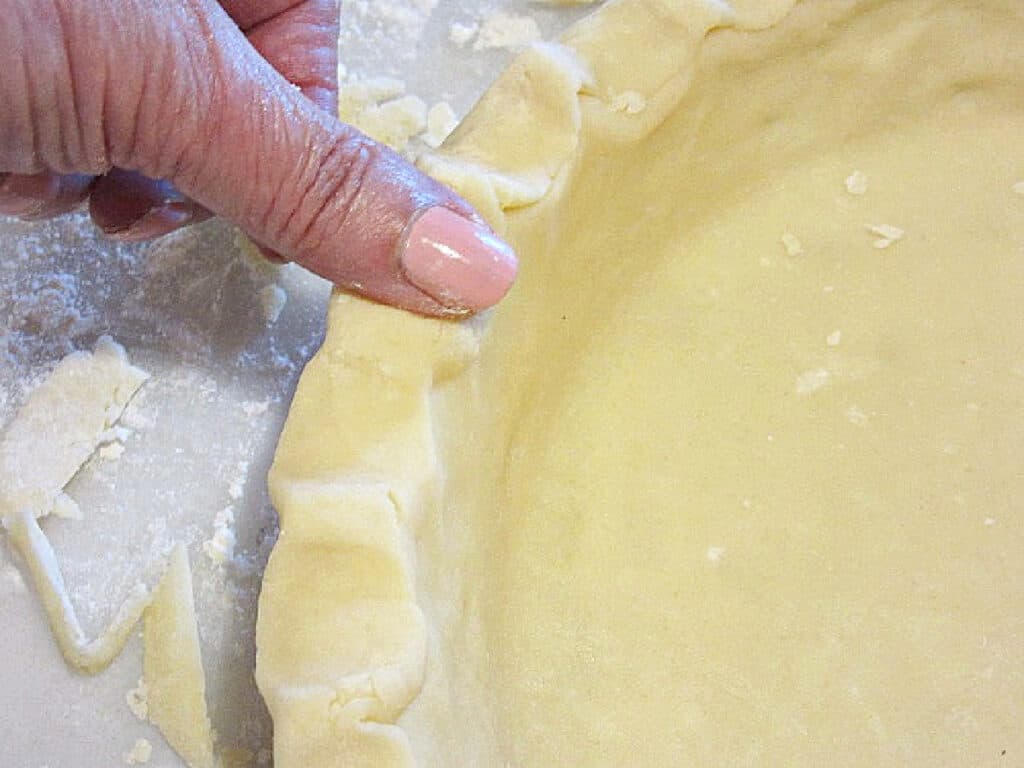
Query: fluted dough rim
{"type": "Point", "coordinates": [341, 640]}
{"type": "Point", "coordinates": [509, 150]}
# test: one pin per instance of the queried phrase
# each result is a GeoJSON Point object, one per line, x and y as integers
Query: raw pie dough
{"type": "Point", "coordinates": [733, 476]}
{"type": "Point", "coordinates": [66, 419]}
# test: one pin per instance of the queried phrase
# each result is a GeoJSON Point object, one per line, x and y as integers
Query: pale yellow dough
{"type": "Point", "coordinates": [701, 496]}
{"type": "Point", "coordinates": [65, 420]}
{"type": "Point", "coordinates": [173, 667]}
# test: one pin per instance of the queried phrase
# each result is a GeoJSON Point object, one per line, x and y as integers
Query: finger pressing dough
{"type": "Point", "coordinates": [734, 476]}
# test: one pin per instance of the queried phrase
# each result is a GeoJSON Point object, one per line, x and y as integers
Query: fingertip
{"type": "Point", "coordinates": [460, 263]}
{"type": "Point", "coordinates": [130, 207]}
{"type": "Point", "coordinates": [42, 195]}
{"type": "Point", "coordinates": [414, 244]}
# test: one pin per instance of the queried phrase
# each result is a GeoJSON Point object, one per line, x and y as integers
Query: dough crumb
{"type": "Point", "coordinates": [460, 34]}
{"type": "Point", "coordinates": [856, 416]}
{"type": "Point", "coordinates": [508, 31]}
{"type": "Point", "coordinates": [272, 299]}
{"type": "Point", "coordinates": [237, 486]}
{"type": "Point", "coordinates": [111, 451]}
{"type": "Point", "coordinates": [393, 122]}
{"type": "Point", "coordinates": [630, 102]}
{"type": "Point", "coordinates": [857, 183]}
{"type": "Point", "coordinates": [379, 108]}
{"type": "Point", "coordinates": [253, 408]}
{"type": "Point", "coordinates": [220, 547]}
{"type": "Point", "coordinates": [355, 94]}
{"type": "Point", "coordinates": [441, 121]}
{"type": "Point", "coordinates": [812, 381]}
{"type": "Point", "coordinates": [66, 508]}
{"type": "Point", "coordinates": [834, 338]}
{"type": "Point", "coordinates": [792, 245]}
{"type": "Point", "coordinates": [137, 700]}
{"type": "Point", "coordinates": [1019, 187]}
{"type": "Point", "coordinates": [990, 521]}
{"type": "Point", "coordinates": [714, 554]}
{"type": "Point", "coordinates": [140, 753]}
{"type": "Point", "coordinates": [116, 434]}
{"type": "Point", "coordinates": [887, 234]}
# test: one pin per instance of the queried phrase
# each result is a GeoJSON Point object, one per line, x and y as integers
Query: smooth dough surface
{"type": "Point", "coordinates": [735, 475]}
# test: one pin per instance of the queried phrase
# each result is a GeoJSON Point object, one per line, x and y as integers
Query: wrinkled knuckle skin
{"type": "Point", "coordinates": [21, 140]}
{"type": "Point", "coordinates": [331, 194]}
{"type": "Point", "coordinates": [175, 100]}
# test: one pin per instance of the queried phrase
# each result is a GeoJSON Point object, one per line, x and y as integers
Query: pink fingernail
{"type": "Point", "coordinates": [461, 264]}
{"type": "Point", "coordinates": [156, 222]}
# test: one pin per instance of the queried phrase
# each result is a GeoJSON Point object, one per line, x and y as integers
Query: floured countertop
{"type": "Point", "coordinates": [224, 336]}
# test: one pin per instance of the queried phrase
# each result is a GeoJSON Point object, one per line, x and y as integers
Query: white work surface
{"type": "Point", "coordinates": [202, 431]}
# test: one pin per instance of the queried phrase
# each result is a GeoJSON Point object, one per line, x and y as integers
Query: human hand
{"type": "Point", "coordinates": [101, 97]}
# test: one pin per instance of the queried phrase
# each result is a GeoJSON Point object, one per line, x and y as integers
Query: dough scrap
{"type": "Point", "coordinates": [665, 524]}
{"type": "Point", "coordinates": [172, 666]}
{"type": "Point", "coordinates": [63, 423]}
{"type": "Point", "coordinates": [58, 429]}
{"type": "Point", "coordinates": [66, 419]}
{"type": "Point", "coordinates": [140, 753]}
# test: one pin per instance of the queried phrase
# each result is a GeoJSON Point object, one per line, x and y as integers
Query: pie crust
{"type": "Point", "coordinates": [732, 477]}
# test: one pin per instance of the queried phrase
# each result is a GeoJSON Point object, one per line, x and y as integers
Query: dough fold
{"type": "Point", "coordinates": [341, 641]}
{"type": "Point", "coordinates": [509, 150]}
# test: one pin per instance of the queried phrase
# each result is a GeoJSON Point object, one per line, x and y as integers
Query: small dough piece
{"type": "Point", "coordinates": [394, 122]}
{"type": "Point", "coordinates": [857, 183]}
{"type": "Point", "coordinates": [506, 30]}
{"type": "Point", "coordinates": [173, 668]}
{"type": "Point", "coordinates": [137, 700]}
{"type": "Point", "coordinates": [85, 655]}
{"type": "Point", "coordinates": [886, 234]}
{"type": "Point", "coordinates": [140, 753]}
{"type": "Point", "coordinates": [461, 33]}
{"type": "Point", "coordinates": [272, 299]}
{"type": "Point", "coordinates": [441, 121]}
{"type": "Point", "coordinates": [63, 422]}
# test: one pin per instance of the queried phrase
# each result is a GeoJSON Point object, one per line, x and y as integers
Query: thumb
{"type": "Point", "coordinates": [313, 189]}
